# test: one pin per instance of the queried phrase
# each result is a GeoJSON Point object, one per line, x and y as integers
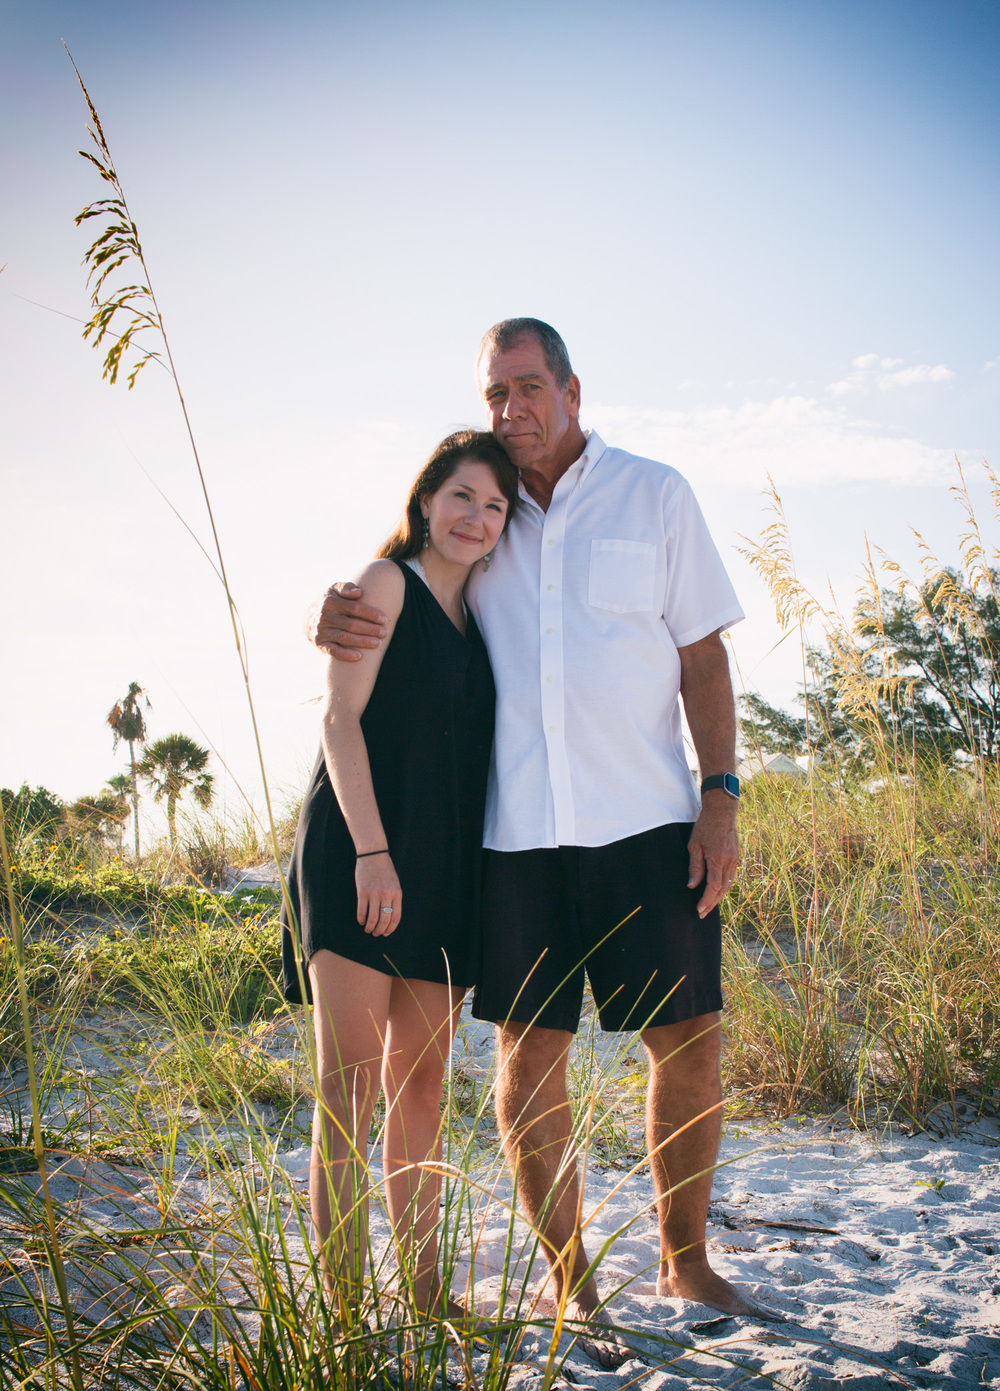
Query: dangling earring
{"type": "Point", "coordinates": [487, 560]}
{"type": "Point", "coordinates": [427, 535]}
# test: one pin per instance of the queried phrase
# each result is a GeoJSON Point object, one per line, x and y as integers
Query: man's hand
{"type": "Point", "coordinates": [339, 624]}
{"type": "Point", "coordinates": [714, 849]}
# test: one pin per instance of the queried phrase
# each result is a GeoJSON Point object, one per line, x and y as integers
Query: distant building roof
{"type": "Point", "coordinates": [774, 765]}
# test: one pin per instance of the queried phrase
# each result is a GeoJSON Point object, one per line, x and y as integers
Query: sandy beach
{"type": "Point", "coordinates": [880, 1250]}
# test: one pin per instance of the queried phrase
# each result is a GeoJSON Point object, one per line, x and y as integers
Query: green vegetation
{"type": "Point", "coordinates": [864, 947]}
{"type": "Point", "coordinates": [915, 676]}
{"type": "Point", "coordinates": [128, 723]}
{"type": "Point", "coordinates": [866, 919]}
{"type": "Point", "coordinates": [99, 819]}
{"type": "Point", "coordinates": [30, 812]}
{"type": "Point", "coordinates": [172, 766]}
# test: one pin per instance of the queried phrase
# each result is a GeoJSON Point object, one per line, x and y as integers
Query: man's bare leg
{"type": "Point", "coordinates": [684, 1083]}
{"type": "Point", "coordinates": [535, 1122]}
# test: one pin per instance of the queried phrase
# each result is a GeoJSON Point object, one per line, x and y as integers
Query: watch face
{"type": "Point", "coordinates": [731, 783]}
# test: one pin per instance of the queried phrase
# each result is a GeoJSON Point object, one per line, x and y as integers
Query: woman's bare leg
{"type": "Point", "coordinates": [351, 1009]}
{"type": "Point", "coordinates": [423, 1017]}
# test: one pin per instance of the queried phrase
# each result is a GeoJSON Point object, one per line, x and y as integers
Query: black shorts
{"type": "Point", "coordinates": [622, 913]}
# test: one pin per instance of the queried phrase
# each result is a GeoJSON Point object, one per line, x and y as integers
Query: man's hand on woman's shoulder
{"type": "Point", "coordinates": [342, 625]}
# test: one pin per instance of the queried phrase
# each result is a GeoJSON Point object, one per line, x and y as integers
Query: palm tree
{"type": "Point", "coordinates": [172, 766]}
{"type": "Point", "coordinates": [121, 786]}
{"type": "Point", "coordinates": [129, 723]}
{"type": "Point", "coordinates": [95, 819]}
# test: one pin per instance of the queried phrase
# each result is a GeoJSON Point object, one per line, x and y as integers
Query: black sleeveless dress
{"type": "Point", "coordinates": [428, 728]}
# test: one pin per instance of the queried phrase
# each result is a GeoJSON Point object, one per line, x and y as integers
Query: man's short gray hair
{"type": "Point", "coordinates": [504, 335]}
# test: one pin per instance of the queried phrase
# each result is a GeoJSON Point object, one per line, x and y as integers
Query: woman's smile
{"type": "Point", "coordinates": [466, 515]}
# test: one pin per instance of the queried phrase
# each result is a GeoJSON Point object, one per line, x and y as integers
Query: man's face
{"type": "Point", "coordinates": [528, 412]}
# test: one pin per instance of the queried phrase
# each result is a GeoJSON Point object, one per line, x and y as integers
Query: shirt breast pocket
{"type": "Point", "coordinates": [622, 576]}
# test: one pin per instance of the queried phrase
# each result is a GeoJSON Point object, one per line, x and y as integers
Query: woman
{"type": "Point", "coordinates": [384, 878]}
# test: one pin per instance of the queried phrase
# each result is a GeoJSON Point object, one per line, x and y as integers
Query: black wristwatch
{"type": "Point", "coordinates": [729, 783]}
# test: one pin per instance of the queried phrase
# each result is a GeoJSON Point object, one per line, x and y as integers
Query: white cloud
{"type": "Point", "coordinates": [989, 366]}
{"type": "Point", "coordinates": [913, 376]}
{"type": "Point", "coordinates": [798, 441]}
{"type": "Point", "coordinates": [872, 372]}
{"type": "Point", "coordinates": [843, 387]}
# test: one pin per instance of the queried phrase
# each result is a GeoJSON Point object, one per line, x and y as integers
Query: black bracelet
{"type": "Point", "coordinates": [372, 852]}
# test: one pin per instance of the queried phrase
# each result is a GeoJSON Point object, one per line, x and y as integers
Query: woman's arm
{"type": "Point", "coordinates": [348, 689]}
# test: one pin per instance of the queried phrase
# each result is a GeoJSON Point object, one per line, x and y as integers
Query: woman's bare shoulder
{"type": "Point", "coordinates": [384, 586]}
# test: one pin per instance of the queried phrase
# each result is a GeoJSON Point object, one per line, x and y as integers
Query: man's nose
{"type": "Point", "coordinates": [513, 407]}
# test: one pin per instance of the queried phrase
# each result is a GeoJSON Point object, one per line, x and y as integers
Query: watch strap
{"type": "Point", "coordinates": [727, 782]}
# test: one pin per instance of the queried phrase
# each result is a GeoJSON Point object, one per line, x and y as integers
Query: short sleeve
{"type": "Point", "coordinates": [698, 595]}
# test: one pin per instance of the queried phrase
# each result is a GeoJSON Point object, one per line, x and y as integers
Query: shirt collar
{"type": "Point", "coordinates": [588, 459]}
{"type": "Point", "coordinates": [579, 471]}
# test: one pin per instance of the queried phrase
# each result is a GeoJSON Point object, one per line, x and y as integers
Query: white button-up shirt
{"type": "Point", "coordinates": [583, 610]}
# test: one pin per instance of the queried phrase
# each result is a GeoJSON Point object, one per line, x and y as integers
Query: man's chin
{"type": "Point", "coordinates": [523, 457]}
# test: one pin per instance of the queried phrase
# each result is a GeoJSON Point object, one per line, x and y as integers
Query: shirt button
{"type": "Point", "coordinates": [550, 631]}
{"type": "Point", "coordinates": [550, 586]}
{"type": "Point", "coordinates": [550, 678]}
{"type": "Point", "coordinates": [552, 729]}
{"type": "Point", "coordinates": [552, 543]}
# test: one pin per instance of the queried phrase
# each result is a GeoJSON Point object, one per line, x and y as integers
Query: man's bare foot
{"type": "Point", "coordinates": [598, 1340]}
{"type": "Point", "coordinates": [701, 1285]}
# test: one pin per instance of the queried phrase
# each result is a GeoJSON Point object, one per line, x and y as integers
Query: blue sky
{"type": "Point", "coordinates": [768, 233]}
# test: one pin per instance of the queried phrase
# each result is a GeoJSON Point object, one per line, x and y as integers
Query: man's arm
{"type": "Point", "coordinates": [707, 692]}
{"type": "Point", "coordinates": [341, 626]}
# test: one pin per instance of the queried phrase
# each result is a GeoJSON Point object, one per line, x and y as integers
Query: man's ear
{"type": "Point", "coordinates": [571, 396]}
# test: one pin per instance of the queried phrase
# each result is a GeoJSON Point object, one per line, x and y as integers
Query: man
{"type": "Point", "coordinates": [606, 600]}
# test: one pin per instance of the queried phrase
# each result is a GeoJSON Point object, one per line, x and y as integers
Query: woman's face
{"type": "Point", "coordinates": [466, 514]}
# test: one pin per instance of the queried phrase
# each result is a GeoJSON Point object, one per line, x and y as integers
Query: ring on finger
{"type": "Point", "coordinates": [387, 910]}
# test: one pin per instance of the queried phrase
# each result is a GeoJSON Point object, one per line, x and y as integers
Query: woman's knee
{"type": "Point", "coordinates": [422, 1077]}
{"type": "Point", "coordinates": [351, 1085]}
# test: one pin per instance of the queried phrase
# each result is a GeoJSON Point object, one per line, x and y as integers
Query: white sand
{"type": "Point", "coordinates": [903, 1288]}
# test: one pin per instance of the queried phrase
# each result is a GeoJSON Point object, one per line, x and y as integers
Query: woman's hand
{"type": "Point", "coordinates": [380, 898]}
